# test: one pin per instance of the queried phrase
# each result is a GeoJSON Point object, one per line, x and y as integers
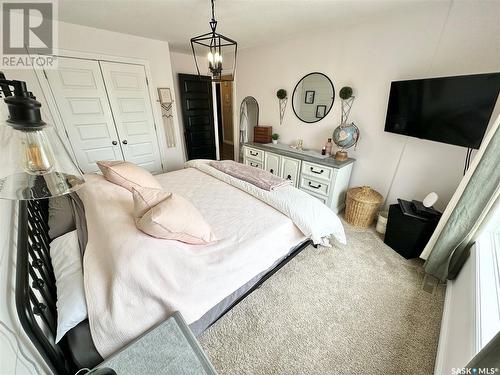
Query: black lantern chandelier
{"type": "Point", "coordinates": [215, 47]}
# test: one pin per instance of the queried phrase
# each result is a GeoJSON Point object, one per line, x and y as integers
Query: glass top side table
{"type": "Point", "coordinates": [170, 348]}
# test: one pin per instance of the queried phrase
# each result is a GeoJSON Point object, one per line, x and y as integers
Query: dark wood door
{"type": "Point", "coordinates": [198, 116]}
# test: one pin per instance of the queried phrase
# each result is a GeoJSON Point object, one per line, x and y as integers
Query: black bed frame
{"type": "Point", "coordinates": [36, 288]}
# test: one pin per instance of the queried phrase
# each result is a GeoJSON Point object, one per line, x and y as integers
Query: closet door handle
{"type": "Point", "coordinates": [271, 170]}
{"type": "Point", "coordinates": [314, 186]}
{"type": "Point", "coordinates": [114, 143]}
{"type": "Point", "coordinates": [124, 142]}
{"type": "Point", "coordinates": [288, 177]}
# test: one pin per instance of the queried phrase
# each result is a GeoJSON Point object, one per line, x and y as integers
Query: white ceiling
{"type": "Point", "coordinates": [250, 22]}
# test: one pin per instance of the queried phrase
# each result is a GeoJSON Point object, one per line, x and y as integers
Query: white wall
{"type": "Point", "coordinates": [90, 40]}
{"type": "Point", "coordinates": [457, 340]}
{"type": "Point", "coordinates": [368, 55]}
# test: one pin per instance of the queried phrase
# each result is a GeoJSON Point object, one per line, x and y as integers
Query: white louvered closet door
{"type": "Point", "coordinates": [80, 96]}
{"type": "Point", "coordinates": [128, 94]}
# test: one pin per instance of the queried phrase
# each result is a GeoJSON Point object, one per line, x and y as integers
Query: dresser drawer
{"type": "Point", "coordinates": [272, 163]}
{"type": "Point", "coordinates": [322, 198]}
{"type": "Point", "coordinates": [290, 169]}
{"type": "Point", "coordinates": [254, 153]}
{"type": "Point", "coordinates": [317, 171]}
{"type": "Point", "coordinates": [254, 163]}
{"type": "Point", "coordinates": [316, 186]}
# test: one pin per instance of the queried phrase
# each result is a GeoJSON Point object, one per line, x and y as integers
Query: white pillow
{"type": "Point", "coordinates": [67, 264]}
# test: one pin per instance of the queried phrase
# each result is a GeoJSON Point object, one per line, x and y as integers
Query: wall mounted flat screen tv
{"type": "Point", "coordinates": [454, 110]}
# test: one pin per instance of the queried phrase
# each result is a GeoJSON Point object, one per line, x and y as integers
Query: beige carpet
{"type": "Point", "coordinates": [355, 309]}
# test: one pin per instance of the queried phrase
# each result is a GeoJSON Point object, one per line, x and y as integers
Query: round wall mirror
{"type": "Point", "coordinates": [313, 97]}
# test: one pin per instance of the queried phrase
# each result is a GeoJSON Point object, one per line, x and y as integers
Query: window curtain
{"type": "Point", "coordinates": [449, 246]}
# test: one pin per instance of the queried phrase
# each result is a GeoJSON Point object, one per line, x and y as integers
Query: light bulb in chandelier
{"type": "Point", "coordinates": [218, 60]}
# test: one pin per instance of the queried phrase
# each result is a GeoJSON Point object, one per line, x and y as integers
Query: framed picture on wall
{"type": "Point", "coordinates": [164, 95]}
{"type": "Point", "coordinates": [309, 98]}
{"type": "Point", "coordinates": [320, 111]}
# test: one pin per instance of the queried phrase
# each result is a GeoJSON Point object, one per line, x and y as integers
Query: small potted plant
{"type": "Point", "coordinates": [275, 138]}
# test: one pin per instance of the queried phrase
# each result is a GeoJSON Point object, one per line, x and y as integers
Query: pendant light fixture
{"type": "Point", "coordinates": [35, 163]}
{"type": "Point", "coordinates": [217, 50]}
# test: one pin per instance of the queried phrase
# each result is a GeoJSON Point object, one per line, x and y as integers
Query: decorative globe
{"type": "Point", "coordinates": [346, 135]}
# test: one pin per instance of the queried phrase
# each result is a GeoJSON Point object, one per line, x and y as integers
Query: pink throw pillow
{"type": "Point", "coordinates": [127, 175]}
{"type": "Point", "coordinates": [147, 198]}
{"type": "Point", "coordinates": [170, 216]}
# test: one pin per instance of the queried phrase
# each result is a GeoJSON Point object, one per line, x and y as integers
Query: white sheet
{"type": "Point", "coordinates": [133, 281]}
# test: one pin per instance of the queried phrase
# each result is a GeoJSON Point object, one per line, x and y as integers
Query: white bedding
{"type": "Point", "coordinates": [314, 219]}
{"type": "Point", "coordinates": [133, 281]}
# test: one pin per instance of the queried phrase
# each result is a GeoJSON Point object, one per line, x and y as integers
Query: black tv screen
{"type": "Point", "coordinates": [454, 110]}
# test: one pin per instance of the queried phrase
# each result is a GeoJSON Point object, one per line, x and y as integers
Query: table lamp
{"type": "Point", "coordinates": [35, 163]}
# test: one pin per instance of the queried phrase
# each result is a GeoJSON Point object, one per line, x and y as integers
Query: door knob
{"type": "Point", "coordinates": [124, 142]}
{"type": "Point", "coordinates": [114, 143]}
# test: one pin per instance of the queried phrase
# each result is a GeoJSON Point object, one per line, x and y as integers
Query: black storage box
{"type": "Point", "coordinates": [408, 233]}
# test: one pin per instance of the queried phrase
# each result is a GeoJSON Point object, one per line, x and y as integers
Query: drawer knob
{"type": "Point", "coordinates": [253, 165]}
{"type": "Point", "coordinates": [314, 186]}
{"type": "Point", "coordinates": [271, 170]}
{"type": "Point", "coordinates": [254, 153]}
{"type": "Point", "coordinates": [315, 171]}
{"type": "Point", "coordinates": [288, 177]}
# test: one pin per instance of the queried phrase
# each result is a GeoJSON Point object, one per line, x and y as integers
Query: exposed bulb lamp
{"type": "Point", "coordinates": [34, 162]}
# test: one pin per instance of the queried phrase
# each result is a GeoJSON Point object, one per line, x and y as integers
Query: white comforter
{"type": "Point", "coordinates": [313, 218]}
{"type": "Point", "coordinates": [134, 281]}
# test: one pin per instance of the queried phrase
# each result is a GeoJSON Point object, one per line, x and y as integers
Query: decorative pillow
{"type": "Point", "coordinates": [127, 175]}
{"type": "Point", "coordinates": [67, 263]}
{"type": "Point", "coordinates": [147, 198]}
{"type": "Point", "coordinates": [170, 217]}
{"type": "Point", "coordinates": [61, 218]}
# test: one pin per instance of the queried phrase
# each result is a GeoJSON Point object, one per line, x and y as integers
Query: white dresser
{"type": "Point", "coordinates": [325, 179]}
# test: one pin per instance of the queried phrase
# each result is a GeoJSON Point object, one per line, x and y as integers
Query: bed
{"type": "Point", "coordinates": [255, 240]}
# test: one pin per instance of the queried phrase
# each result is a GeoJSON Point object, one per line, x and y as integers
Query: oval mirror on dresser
{"type": "Point", "coordinates": [313, 97]}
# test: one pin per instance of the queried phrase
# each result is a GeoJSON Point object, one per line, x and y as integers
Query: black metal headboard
{"type": "Point", "coordinates": [36, 287]}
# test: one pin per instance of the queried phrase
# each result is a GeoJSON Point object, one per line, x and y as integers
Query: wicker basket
{"type": "Point", "coordinates": [362, 205]}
